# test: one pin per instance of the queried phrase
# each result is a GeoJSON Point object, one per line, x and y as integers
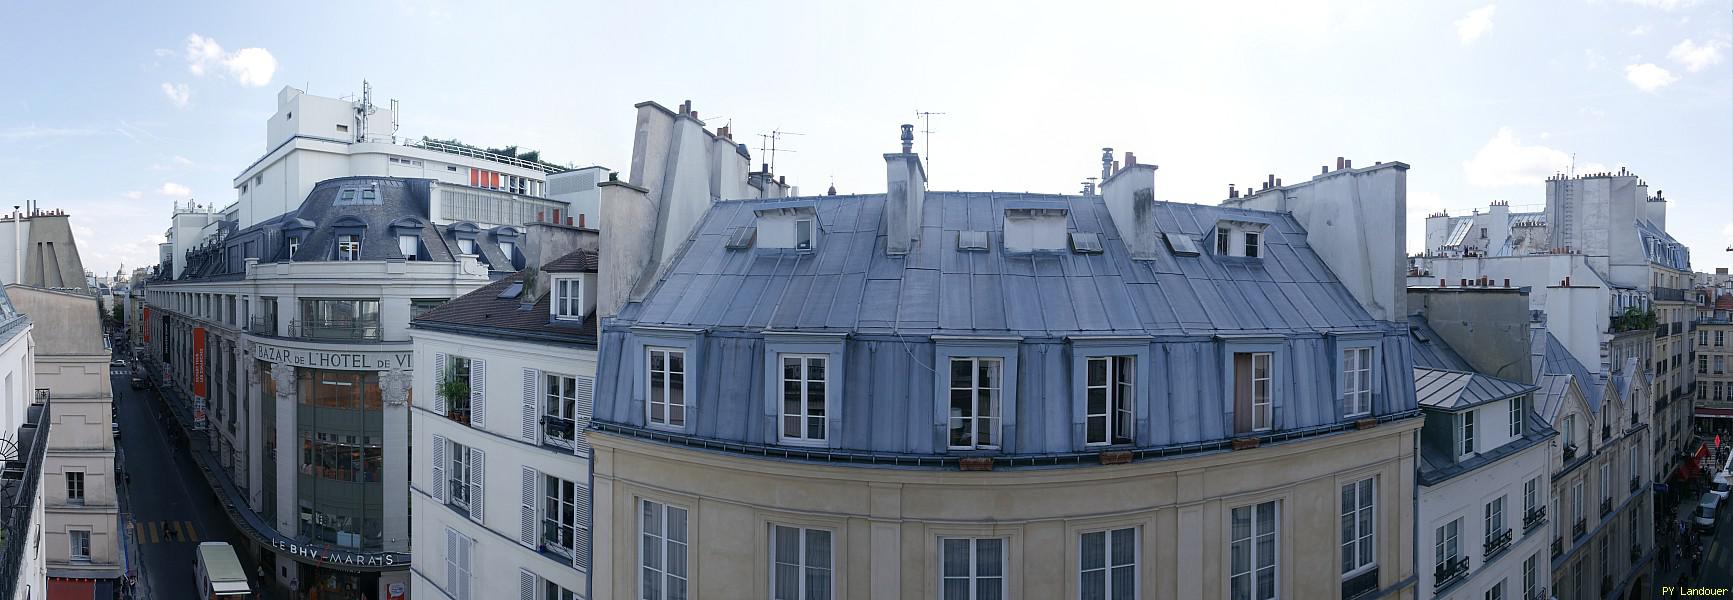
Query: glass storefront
{"type": "Point", "coordinates": [339, 428]}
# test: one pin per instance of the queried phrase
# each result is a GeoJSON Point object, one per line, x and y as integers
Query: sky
{"type": "Point", "coordinates": [114, 111]}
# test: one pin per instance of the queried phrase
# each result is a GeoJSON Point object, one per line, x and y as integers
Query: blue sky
{"type": "Point", "coordinates": [113, 112]}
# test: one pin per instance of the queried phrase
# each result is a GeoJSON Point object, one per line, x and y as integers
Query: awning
{"type": "Point", "coordinates": [1714, 413]}
{"type": "Point", "coordinates": [60, 588]}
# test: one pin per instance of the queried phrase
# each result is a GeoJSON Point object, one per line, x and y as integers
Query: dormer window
{"type": "Point", "coordinates": [1251, 245]}
{"type": "Point", "coordinates": [803, 234]}
{"type": "Point", "coordinates": [466, 246]}
{"type": "Point", "coordinates": [793, 227]}
{"type": "Point", "coordinates": [1036, 229]}
{"type": "Point", "coordinates": [349, 247]}
{"type": "Point", "coordinates": [294, 247]}
{"type": "Point", "coordinates": [1239, 237]}
{"type": "Point", "coordinates": [409, 245]}
{"type": "Point", "coordinates": [568, 300]}
{"type": "Point", "coordinates": [507, 248]}
{"type": "Point", "coordinates": [1223, 237]}
{"type": "Point", "coordinates": [407, 230]}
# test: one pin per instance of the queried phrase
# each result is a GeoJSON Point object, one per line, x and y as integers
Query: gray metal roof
{"type": "Point", "coordinates": [1456, 390]}
{"type": "Point", "coordinates": [1552, 361]}
{"type": "Point", "coordinates": [1430, 349]}
{"type": "Point", "coordinates": [849, 283]}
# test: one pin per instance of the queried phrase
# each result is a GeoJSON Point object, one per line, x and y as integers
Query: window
{"type": "Point", "coordinates": [1569, 431]}
{"type": "Point", "coordinates": [1531, 576]}
{"type": "Point", "coordinates": [1607, 480]}
{"type": "Point", "coordinates": [1636, 466]}
{"type": "Point", "coordinates": [506, 249]}
{"type": "Point", "coordinates": [1253, 552]}
{"type": "Point", "coordinates": [1223, 237]}
{"type": "Point", "coordinates": [1109, 393]}
{"type": "Point", "coordinates": [1445, 546]}
{"type": "Point", "coordinates": [1530, 495]}
{"type": "Point", "coordinates": [417, 306]}
{"type": "Point", "coordinates": [1720, 364]}
{"type": "Point", "coordinates": [1108, 565]}
{"type": "Point", "coordinates": [1251, 244]}
{"type": "Point", "coordinates": [1605, 570]}
{"type": "Point", "coordinates": [1703, 364]}
{"type": "Point", "coordinates": [409, 245]}
{"type": "Point", "coordinates": [345, 129]}
{"type": "Point", "coordinates": [465, 246]}
{"type": "Point", "coordinates": [559, 410]}
{"type": "Point", "coordinates": [800, 561]}
{"type": "Point", "coordinates": [973, 568]}
{"type": "Point", "coordinates": [1496, 592]}
{"type": "Point", "coordinates": [803, 397]}
{"type": "Point", "coordinates": [1252, 405]}
{"type": "Point", "coordinates": [457, 368]}
{"type": "Point", "coordinates": [348, 247]}
{"type": "Point", "coordinates": [803, 234]}
{"type": "Point", "coordinates": [1358, 527]}
{"type": "Point", "coordinates": [1494, 519]}
{"type": "Point", "coordinates": [1517, 413]}
{"type": "Point", "coordinates": [568, 299]}
{"type": "Point", "coordinates": [457, 565]}
{"type": "Point", "coordinates": [79, 542]}
{"type": "Point", "coordinates": [457, 477]}
{"type": "Point", "coordinates": [1720, 336]}
{"type": "Point", "coordinates": [1465, 433]}
{"type": "Point", "coordinates": [553, 591]}
{"type": "Point", "coordinates": [667, 387]}
{"type": "Point", "coordinates": [662, 551]}
{"type": "Point", "coordinates": [1357, 381]}
{"type": "Point", "coordinates": [975, 385]}
{"type": "Point", "coordinates": [75, 487]}
{"type": "Point", "coordinates": [559, 515]}
{"type": "Point", "coordinates": [1577, 501]}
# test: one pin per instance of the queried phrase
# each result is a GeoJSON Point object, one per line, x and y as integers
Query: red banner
{"type": "Point", "coordinates": [146, 325]}
{"type": "Point", "coordinates": [199, 362]}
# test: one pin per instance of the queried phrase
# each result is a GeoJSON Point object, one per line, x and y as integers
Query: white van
{"type": "Point", "coordinates": [219, 573]}
{"type": "Point", "coordinates": [1707, 509]}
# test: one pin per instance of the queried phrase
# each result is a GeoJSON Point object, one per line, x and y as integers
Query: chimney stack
{"type": "Point", "coordinates": [1348, 164]}
{"type": "Point", "coordinates": [1130, 197]}
{"type": "Point", "coordinates": [1106, 164]}
{"type": "Point", "coordinates": [905, 191]}
{"type": "Point", "coordinates": [1130, 159]}
{"type": "Point", "coordinates": [1339, 163]}
{"type": "Point", "coordinates": [1233, 193]}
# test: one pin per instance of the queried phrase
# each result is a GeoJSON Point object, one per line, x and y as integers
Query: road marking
{"type": "Point", "coordinates": [155, 534]}
{"type": "Point", "coordinates": [192, 534]}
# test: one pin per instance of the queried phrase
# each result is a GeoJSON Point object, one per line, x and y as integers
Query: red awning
{"type": "Point", "coordinates": [71, 589]}
{"type": "Point", "coordinates": [1715, 413]}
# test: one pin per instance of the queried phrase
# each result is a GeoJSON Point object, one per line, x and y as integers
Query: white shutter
{"type": "Point", "coordinates": [438, 483]}
{"type": "Point", "coordinates": [526, 584]}
{"type": "Point", "coordinates": [531, 412]}
{"type": "Point", "coordinates": [478, 393]}
{"type": "Point", "coordinates": [451, 559]}
{"type": "Point", "coordinates": [477, 475]}
{"type": "Point", "coordinates": [467, 568]}
{"type": "Point", "coordinates": [581, 537]}
{"type": "Point", "coordinates": [581, 420]}
{"type": "Point", "coordinates": [439, 362]}
{"type": "Point", "coordinates": [527, 510]}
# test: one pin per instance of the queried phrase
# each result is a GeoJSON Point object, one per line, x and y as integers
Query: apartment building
{"type": "Point", "coordinates": [506, 376]}
{"type": "Point", "coordinates": [70, 358]}
{"type": "Point", "coordinates": [26, 421]}
{"type": "Point", "coordinates": [988, 395]}
{"type": "Point", "coordinates": [1485, 454]}
{"type": "Point", "coordinates": [1713, 350]}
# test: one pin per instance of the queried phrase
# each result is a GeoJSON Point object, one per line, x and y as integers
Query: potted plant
{"type": "Point", "coordinates": [455, 390]}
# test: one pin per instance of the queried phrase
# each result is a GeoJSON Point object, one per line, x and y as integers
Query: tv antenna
{"type": "Point", "coordinates": [927, 132]}
{"type": "Point", "coordinates": [767, 146]}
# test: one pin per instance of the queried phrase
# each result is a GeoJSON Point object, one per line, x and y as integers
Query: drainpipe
{"type": "Point", "coordinates": [17, 245]}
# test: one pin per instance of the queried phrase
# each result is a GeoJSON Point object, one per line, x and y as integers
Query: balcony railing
{"type": "Point", "coordinates": [550, 540]}
{"type": "Point", "coordinates": [558, 431]}
{"type": "Point", "coordinates": [263, 325]}
{"type": "Point", "coordinates": [1558, 547]}
{"type": "Point", "coordinates": [1606, 507]}
{"type": "Point", "coordinates": [1533, 518]}
{"type": "Point", "coordinates": [1570, 452]}
{"type": "Point", "coordinates": [1450, 572]}
{"type": "Point", "coordinates": [1666, 294]}
{"type": "Point", "coordinates": [1581, 526]}
{"type": "Point", "coordinates": [1497, 543]}
{"type": "Point", "coordinates": [350, 330]}
{"type": "Point", "coordinates": [19, 478]}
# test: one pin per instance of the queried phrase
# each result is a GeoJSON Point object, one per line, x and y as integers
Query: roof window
{"type": "Point", "coordinates": [1086, 243]}
{"type": "Point", "coordinates": [1241, 238]}
{"type": "Point", "coordinates": [972, 241]}
{"type": "Point", "coordinates": [1181, 244]}
{"type": "Point", "coordinates": [791, 227]}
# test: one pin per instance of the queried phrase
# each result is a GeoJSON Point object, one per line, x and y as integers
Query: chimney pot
{"type": "Point", "coordinates": [556, 215]}
{"type": "Point", "coordinates": [1507, 282]}
{"type": "Point", "coordinates": [581, 219]}
{"type": "Point", "coordinates": [908, 138]}
{"type": "Point", "coordinates": [568, 221]}
{"type": "Point", "coordinates": [1324, 169]}
{"type": "Point", "coordinates": [1464, 283]}
{"type": "Point", "coordinates": [1338, 163]}
{"type": "Point", "coordinates": [1278, 182]}
{"type": "Point", "coordinates": [541, 216]}
{"type": "Point", "coordinates": [1443, 282]}
{"type": "Point", "coordinates": [1348, 164]}
{"type": "Point", "coordinates": [1130, 159]}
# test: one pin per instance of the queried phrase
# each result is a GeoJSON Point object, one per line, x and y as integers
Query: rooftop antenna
{"type": "Point", "coordinates": [1573, 164]}
{"type": "Point", "coordinates": [364, 109]}
{"type": "Point", "coordinates": [767, 145]}
{"type": "Point", "coordinates": [927, 132]}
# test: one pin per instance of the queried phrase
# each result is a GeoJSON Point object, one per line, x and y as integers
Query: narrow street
{"type": "Point", "coordinates": [167, 506]}
{"type": "Point", "coordinates": [1717, 564]}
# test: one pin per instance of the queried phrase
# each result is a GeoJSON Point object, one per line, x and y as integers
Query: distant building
{"type": "Point", "coordinates": [25, 424]}
{"type": "Point", "coordinates": [1712, 343]}
{"type": "Point", "coordinates": [37, 249]}
{"type": "Point", "coordinates": [952, 394]}
{"type": "Point", "coordinates": [82, 542]}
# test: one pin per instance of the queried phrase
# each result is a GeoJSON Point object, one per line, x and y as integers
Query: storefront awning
{"type": "Point", "coordinates": [1714, 413]}
{"type": "Point", "coordinates": [60, 588]}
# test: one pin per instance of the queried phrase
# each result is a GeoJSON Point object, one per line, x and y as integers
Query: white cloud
{"type": "Point", "coordinates": [1648, 77]}
{"type": "Point", "coordinates": [182, 161]}
{"type": "Point", "coordinates": [1592, 112]}
{"type": "Point", "coordinates": [1639, 30]}
{"type": "Point", "coordinates": [1505, 160]}
{"type": "Point", "coordinates": [1664, 4]}
{"type": "Point", "coordinates": [1469, 28]}
{"type": "Point", "coordinates": [1697, 57]}
{"type": "Point", "coordinates": [177, 93]}
{"type": "Point", "coordinates": [1592, 58]}
{"type": "Point", "coordinates": [252, 67]}
{"type": "Point", "coordinates": [132, 194]}
{"type": "Point", "coordinates": [32, 131]}
{"type": "Point", "coordinates": [170, 188]}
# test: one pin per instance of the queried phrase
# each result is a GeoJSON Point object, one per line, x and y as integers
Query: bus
{"type": "Point", "coordinates": [219, 573]}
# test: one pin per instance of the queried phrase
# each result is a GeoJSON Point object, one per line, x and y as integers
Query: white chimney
{"type": "Point", "coordinates": [905, 191]}
{"type": "Point", "coordinates": [1130, 198]}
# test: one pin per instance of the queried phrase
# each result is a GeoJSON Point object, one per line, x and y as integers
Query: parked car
{"type": "Point", "coordinates": [115, 427]}
{"type": "Point", "coordinates": [136, 382]}
{"type": "Point", "coordinates": [1722, 485]}
{"type": "Point", "coordinates": [1708, 508]}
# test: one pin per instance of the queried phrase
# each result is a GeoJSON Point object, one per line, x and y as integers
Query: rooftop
{"type": "Point", "coordinates": [498, 309]}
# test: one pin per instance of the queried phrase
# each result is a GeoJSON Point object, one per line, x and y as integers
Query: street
{"type": "Point", "coordinates": [167, 508]}
{"type": "Point", "coordinates": [1717, 564]}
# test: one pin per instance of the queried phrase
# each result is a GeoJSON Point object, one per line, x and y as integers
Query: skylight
{"type": "Point", "coordinates": [1182, 245]}
{"type": "Point", "coordinates": [741, 238]}
{"type": "Point", "coordinates": [972, 241]}
{"type": "Point", "coordinates": [1086, 243]}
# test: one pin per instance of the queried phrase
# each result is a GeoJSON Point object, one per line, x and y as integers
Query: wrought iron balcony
{"type": "Point", "coordinates": [348, 330]}
{"type": "Point", "coordinates": [1558, 547]}
{"type": "Point", "coordinates": [1578, 529]}
{"type": "Point", "coordinates": [1450, 572]}
{"type": "Point", "coordinates": [550, 539]}
{"type": "Point", "coordinates": [1497, 543]}
{"type": "Point", "coordinates": [1533, 518]}
{"type": "Point", "coordinates": [558, 431]}
{"type": "Point", "coordinates": [1606, 507]}
{"type": "Point", "coordinates": [1570, 452]}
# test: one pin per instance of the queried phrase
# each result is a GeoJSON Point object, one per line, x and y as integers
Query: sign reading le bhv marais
{"type": "Point", "coordinates": [333, 359]}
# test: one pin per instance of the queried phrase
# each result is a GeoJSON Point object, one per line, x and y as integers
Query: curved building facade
{"type": "Point", "coordinates": [988, 395]}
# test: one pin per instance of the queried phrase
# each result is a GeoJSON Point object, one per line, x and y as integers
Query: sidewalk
{"type": "Point", "coordinates": [1667, 540]}
{"type": "Point", "coordinates": [132, 559]}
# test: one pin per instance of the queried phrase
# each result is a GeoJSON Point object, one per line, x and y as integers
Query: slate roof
{"type": "Point", "coordinates": [1555, 369]}
{"type": "Point", "coordinates": [848, 283]}
{"type": "Point", "coordinates": [582, 261]}
{"type": "Point", "coordinates": [485, 312]}
{"type": "Point", "coordinates": [1437, 466]}
{"type": "Point", "coordinates": [1430, 350]}
{"type": "Point", "coordinates": [1660, 247]}
{"type": "Point", "coordinates": [1457, 390]}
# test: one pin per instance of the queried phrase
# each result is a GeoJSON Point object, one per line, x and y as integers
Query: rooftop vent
{"type": "Point", "coordinates": [1181, 244]}
{"type": "Point", "coordinates": [972, 241]}
{"type": "Point", "coordinates": [741, 238]}
{"type": "Point", "coordinates": [1086, 243]}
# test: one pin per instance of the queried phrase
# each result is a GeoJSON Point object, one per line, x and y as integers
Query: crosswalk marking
{"type": "Point", "coordinates": [161, 532]}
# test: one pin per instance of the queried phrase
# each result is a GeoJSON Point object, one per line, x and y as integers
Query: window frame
{"type": "Point", "coordinates": [805, 436]}
{"type": "Point", "coordinates": [1224, 241]}
{"type": "Point", "coordinates": [552, 494]}
{"type": "Point", "coordinates": [407, 239]}
{"type": "Point", "coordinates": [1119, 400]}
{"type": "Point", "coordinates": [1107, 563]}
{"type": "Point", "coordinates": [1466, 423]}
{"type": "Point", "coordinates": [995, 400]}
{"type": "Point", "coordinates": [72, 549]}
{"type": "Point", "coordinates": [552, 387]}
{"type": "Point", "coordinates": [667, 400]}
{"type": "Point", "coordinates": [79, 498]}
{"type": "Point", "coordinates": [811, 226]}
{"type": "Point", "coordinates": [1275, 348]}
{"type": "Point", "coordinates": [1446, 538]}
{"type": "Point", "coordinates": [1143, 373]}
{"type": "Point", "coordinates": [1360, 539]}
{"type": "Point", "coordinates": [1515, 409]}
{"type": "Point", "coordinates": [643, 340]}
{"type": "Point", "coordinates": [1373, 369]}
{"type": "Point", "coordinates": [456, 461]}
{"type": "Point", "coordinates": [663, 509]}
{"type": "Point", "coordinates": [947, 348]}
{"type": "Point", "coordinates": [832, 349]}
{"type": "Point", "coordinates": [801, 592]}
{"type": "Point", "coordinates": [564, 306]}
{"type": "Point", "coordinates": [348, 247]}
{"type": "Point", "coordinates": [1495, 513]}
{"type": "Point", "coordinates": [1253, 537]}
{"type": "Point", "coordinates": [974, 544]}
